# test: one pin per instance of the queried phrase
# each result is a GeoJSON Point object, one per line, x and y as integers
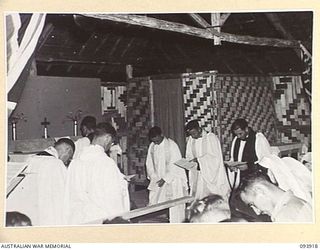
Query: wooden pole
{"type": "Point", "coordinates": [193, 31]}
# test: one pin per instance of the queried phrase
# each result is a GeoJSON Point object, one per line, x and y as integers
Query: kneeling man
{"type": "Point", "coordinates": [266, 198]}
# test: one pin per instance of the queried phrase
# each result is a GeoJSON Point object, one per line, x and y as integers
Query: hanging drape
{"type": "Point", "coordinates": [19, 54]}
{"type": "Point", "coordinates": [169, 109]}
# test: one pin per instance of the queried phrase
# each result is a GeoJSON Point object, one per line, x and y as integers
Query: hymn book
{"type": "Point", "coordinates": [186, 164]}
{"type": "Point", "coordinates": [234, 164]}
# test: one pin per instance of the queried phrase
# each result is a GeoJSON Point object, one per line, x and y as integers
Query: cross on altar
{"type": "Point", "coordinates": [45, 123]}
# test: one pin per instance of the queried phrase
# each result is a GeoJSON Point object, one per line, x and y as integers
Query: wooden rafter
{"type": "Point", "coordinates": [276, 22]}
{"type": "Point", "coordinates": [45, 59]}
{"type": "Point", "coordinates": [129, 45]}
{"type": "Point", "coordinates": [193, 31]}
{"type": "Point", "coordinates": [223, 18]}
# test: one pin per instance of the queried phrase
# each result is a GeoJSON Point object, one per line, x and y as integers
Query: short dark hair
{"type": "Point", "coordinates": [16, 219]}
{"type": "Point", "coordinates": [66, 141]}
{"type": "Point", "coordinates": [194, 124]}
{"type": "Point", "coordinates": [107, 128]}
{"type": "Point", "coordinates": [154, 131]}
{"type": "Point", "coordinates": [239, 123]}
{"type": "Point", "coordinates": [89, 122]}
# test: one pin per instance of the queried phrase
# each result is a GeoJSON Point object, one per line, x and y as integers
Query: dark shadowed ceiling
{"type": "Point", "coordinates": [78, 46]}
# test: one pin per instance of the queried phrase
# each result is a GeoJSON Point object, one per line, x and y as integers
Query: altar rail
{"type": "Point", "coordinates": [289, 149]}
{"type": "Point", "coordinates": [150, 209]}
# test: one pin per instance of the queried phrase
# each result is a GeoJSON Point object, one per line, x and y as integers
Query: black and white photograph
{"type": "Point", "coordinates": [158, 118]}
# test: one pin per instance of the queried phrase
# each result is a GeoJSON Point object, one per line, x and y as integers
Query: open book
{"type": "Point", "coordinates": [186, 164]}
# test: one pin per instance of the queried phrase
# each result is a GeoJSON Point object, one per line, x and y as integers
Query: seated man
{"type": "Point", "coordinates": [167, 181]}
{"type": "Point", "coordinates": [97, 190]}
{"type": "Point", "coordinates": [209, 177]}
{"type": "Point", "coordinates": [266, 198]}
{"type": "Point", "coordinates": [87, 127]}
{"type": "Point", "coordinates": [43, 188]}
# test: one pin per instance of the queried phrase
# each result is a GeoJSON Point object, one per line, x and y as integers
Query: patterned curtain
{"type": "Point", "coordinates": [307, 72]}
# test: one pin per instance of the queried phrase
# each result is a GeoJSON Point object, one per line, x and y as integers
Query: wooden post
{"type": "Point", "coordinates": [215, 23]}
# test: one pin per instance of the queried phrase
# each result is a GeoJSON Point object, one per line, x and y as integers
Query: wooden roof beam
{"type": "Point", "coordinates": [193, 31]}
{"type": "Point", "coordinates": [276, 22]}
{"type": "Point", "coordinates": [223, 18]}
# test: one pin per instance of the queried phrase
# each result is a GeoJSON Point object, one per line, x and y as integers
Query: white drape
{"type": "Point", "coordinates": [18, 55]}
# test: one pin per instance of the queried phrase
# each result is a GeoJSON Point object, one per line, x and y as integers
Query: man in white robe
{"type": "Point", "coordinates": [42, 192]}
{"type": "Point", "coordinates": [209, 177]}
{"type": "Point", "coordinates": [167, 181]}
{"type": "Point", "coordinates": [87, 127]}
{"type": "Point", "coordinates": [97, 189]}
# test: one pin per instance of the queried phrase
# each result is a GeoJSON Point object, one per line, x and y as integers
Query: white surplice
{"type": "Point", "coordinates": [289, 174]}
{"type": "Point", "coordinates": [40, 195]}
{"type": "Point", "coordinates": [80, 144]}
{"type": "Point", "coordinates": [160, 165]}
{"type": "Point", "coordinates": [211, 178]}
{"type": "Point", "coordinates": [96, 188]}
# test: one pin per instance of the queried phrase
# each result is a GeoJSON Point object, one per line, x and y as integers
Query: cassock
{"type": "Point", "coordinates": [80, 144]}
{"type": "Point", "coordinates": [41, 194]}
{"type": "Point", "coordinates": [251, 150]}
{"type": "Point", "coordinates": [160, 165]}
{"type": "Point", "coordinates": [211, 178]}
{"type": "Point", "coordinates": [96, 188]}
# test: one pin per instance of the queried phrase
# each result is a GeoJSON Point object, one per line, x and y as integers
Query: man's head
{"type": "Point", "coordinates": [88, 125]}
{"type": "Point", "coordinates": [259, 194]}
{"type": "Point", "coordinates": [65, 149]}
{"type": "Point", "coordinates": [210, 209]}
{"type": "Point", "coordinates": [103, 138]}
{"type": "Point", "coordinates": [193, 129]}
{"type": "Point", "coordinates": [155, 135]}
{"type": "Point", "coordinates": [16, 219]}
{"type": "Point", "coordinates": [240, 128]}
{"type": "Point", "coordinates": [107, 127]}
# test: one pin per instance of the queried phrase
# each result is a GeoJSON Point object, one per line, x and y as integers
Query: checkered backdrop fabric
{"type": "Point", "coordinates": [248, 97]}
{"type": "Point", "coordinates": [198, 98]}
{"type": "Point", "coordinates": [292, 109]}
{"type": "Point", "coordinates": [307, 74]}
{"type": "Point", "coordinates": [139, 122]}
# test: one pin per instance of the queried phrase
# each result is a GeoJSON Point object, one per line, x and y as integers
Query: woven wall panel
{"type": "Point", "coordinates": [292, 109]}
{"type": "Point", "coordinates": [139, 122]}
{"type": "Point", "coordinates": [198, 98]}
{"type": "Point", "coordinates": [245, 97]}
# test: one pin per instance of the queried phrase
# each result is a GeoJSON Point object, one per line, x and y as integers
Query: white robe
{"type": "Point", "coordinates": [290, 174]}
{"type": "Point", "coordinates": [212, 178]}
{"type": "Point", "coordinates": [96, 188]}
{"type": "Point", "coordinates": [80, 144]}
{"type": "Point", "coordinates": [42, 192]}
{"type": "Point", "coordinates": [160, 165]}
{"type": "Point", "coordinates": [262, 148]}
